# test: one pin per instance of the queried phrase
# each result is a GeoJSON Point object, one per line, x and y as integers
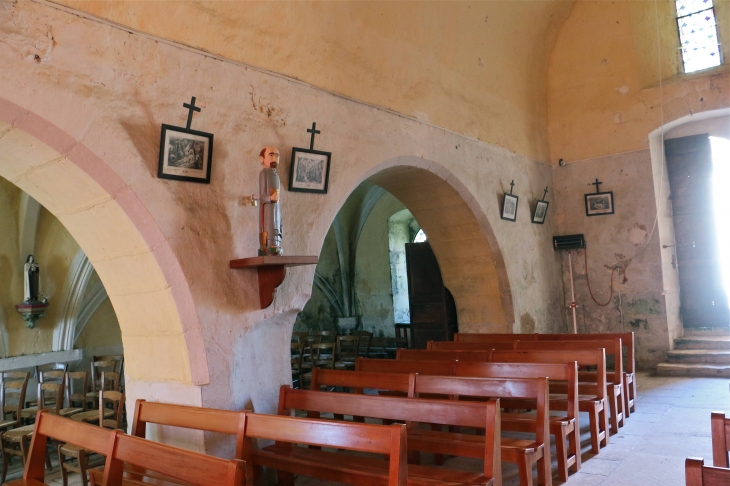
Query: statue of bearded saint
{"type": "Point", "coordinates": [31, 280]}
{"type": "Point", "coordinates": [270, 232]}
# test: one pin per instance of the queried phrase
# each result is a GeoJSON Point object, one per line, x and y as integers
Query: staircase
{"type": "Point", "coordinates": [699, 353]}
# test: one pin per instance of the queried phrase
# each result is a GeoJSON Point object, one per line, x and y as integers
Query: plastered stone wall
{"type": "Point", "coordinates": [110, 90]}
{"type": "Point", "coordinates": [627, 239]}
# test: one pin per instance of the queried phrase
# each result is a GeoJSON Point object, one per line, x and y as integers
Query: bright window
{"type": "Point", "coordinates": [698, 35]}
{"type": "Point", "coordinates": [420, 237]}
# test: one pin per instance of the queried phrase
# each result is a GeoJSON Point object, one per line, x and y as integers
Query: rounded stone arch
{"type": "Point", "coordinates": [140, 272]}
{"type": "Point", "coordinates": [461, 236]}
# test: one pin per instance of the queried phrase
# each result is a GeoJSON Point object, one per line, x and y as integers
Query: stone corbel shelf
{"type": "Point", "coordinates": [272, 270]}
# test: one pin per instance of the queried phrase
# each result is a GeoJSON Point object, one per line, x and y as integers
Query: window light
{"type": "Point", "coordinates": [698, 35]}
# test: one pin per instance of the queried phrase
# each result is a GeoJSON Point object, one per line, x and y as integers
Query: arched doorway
{"type": "Point", "coordinates": [462, 240]}
{"type": "Point", "coordinates": [140, 272]}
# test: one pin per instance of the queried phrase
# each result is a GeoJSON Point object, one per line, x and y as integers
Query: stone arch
{"type": "Point", "coordinates": [140, 271]}
{"type": "Point", "coordinates": [461, 236]}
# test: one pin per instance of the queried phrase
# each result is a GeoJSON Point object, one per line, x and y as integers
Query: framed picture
{"type": "Point", "coordinates": [310, 170]}
{"type": "Point", "coordinates": [599, 203]}
{"type": "Point", "coordinates": [509, 207]}
{"type": "Point", "coordinates": [185, 155]}
{"type": "Point", "coordinates": [540, 212]}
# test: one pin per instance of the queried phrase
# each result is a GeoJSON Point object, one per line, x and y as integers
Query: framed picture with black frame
{"type": "Point", "coordinates": [509, 207]}
{"type": "Point", "coordinates": [185, 154]}
{"type": "Point", "coordinates": [540, 212]}
{"type": "Point", "coordinates": [310, 170]}
{"type": "Point", "coordinates": [599, 203]}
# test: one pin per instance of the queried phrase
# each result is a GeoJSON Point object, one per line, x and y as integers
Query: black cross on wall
{"type": "Point", "coordinates": [597, 184]}
{"type": "Point", "coordinates": [314, 132]}
{"type": "Point", "coordinates": [192, 109]}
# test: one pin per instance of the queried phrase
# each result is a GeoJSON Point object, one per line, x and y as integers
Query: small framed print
{"type": "Point", "coordinates": [540, 212]}
{"type": "Point", "coordinates": [310, 170]}
{"type": "Point", "coordinates": [185, 155]}
{"type": "Point", "coordinates": [599, 203]}
{"type": "Point", "coordinates": [509, 207]}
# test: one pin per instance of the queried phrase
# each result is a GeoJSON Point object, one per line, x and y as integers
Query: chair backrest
{"type": "Point", "coordinates": [13, 385]}
{"type": "Point", "coordinates": [720, 439]}
{"type": "Point", "coordinates": [100, 365]}
{"type": "Point", "coordinates": [406, 366]}
{"type": "Point", "coordinates": [86, 436]}
{"type": "Point", "coordinates": [366, 338]}
{"type": "Point", "coordinates": [76, 385]}
{"type": "Point", "coordinates": [348, 347]}
{"type": "Point", "coordinates": [296, 335]}
{"type": "Point", "coordinates": [109, 380]}
{"type": "Point", "coordinates": [51, 390]}
{"type": "Point", "coordinates": [697, 474]}
{"type": "Point", "coordinates": [191, 467]}
{"type": "Point", "coordinates": [297, 354]}
{"type": "Point", "coordinates": [389, 440]}
{"type": "Point", "coordinates": [323, 354]}
{"type": "Point", "coordinates": [49, 367]}
{"type": "Point", "coordinates": [327, 336]}
{"type": "Point", "coordinates": [116, 400]}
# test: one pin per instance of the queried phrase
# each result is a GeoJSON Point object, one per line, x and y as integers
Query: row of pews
{"type": "Point", "coordinates": [696, 473]}
{"type": "Point", "coordinates": [445, 402]}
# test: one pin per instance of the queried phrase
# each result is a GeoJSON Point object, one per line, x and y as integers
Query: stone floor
{"type": "Point", "coordinates": [671, 422]}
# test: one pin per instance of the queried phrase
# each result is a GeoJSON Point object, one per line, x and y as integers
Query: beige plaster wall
{"type": "Point", "coordinates": [604, 91]}
{"type": "Point", "coordinates": [110, 90]}
{"type": "Point", "coordinates": [477, 68]}
{"type": "Point", "coordinates": [10, 270]}
{"type": "Point", "coordinates": [628, 239]}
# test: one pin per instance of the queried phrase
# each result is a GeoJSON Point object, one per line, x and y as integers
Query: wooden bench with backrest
{"type": "Point", "coordinates": [627, 340]}
{"type": "Point", "coordinates": [566, 429]}
{"type": "Point", "coordinates": [587, 380]}
{"type": "Point", "coordinates": [720, 439]}
{"type": "Point", "coordinates": [289, 459]}
{"type": "Point", "coordinates": [523, 452]}
{"type": "Point", "coordinates": [433, 355]}
{"type": "Point", "coordinates": [461, 346]}
{"type": "Point", "coordinates": [592, 400]}
{"type": "Point", "coordinates": [482, 415]}
{"type": "Point", "coordinates": [406, 366]}
{"type": "Point", "coordinates": [697, 474]}
{"type": "Point", "coordinates": [48, 425]}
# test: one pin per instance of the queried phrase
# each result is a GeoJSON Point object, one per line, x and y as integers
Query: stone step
{"type": "Point", "coordinates": [707, 331]}
{"type": "Point", "coordinates": [683, 369]}
{"type": "Point", "coordinates": [702, 342]}
{"type": "Point", "coordinates": [700, 356]}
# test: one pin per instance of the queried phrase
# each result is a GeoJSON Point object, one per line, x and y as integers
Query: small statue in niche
{"type": "Point", "coordinates": [270, 230]}
{"type": "Point", "coordinates": [31, 280]}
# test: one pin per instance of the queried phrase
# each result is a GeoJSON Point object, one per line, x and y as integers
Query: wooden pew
{"type": "Point", "coordinates": [595, 403]}
{"type": "Point", "coordinates": [445, 368]}
{"type": "Point", "coordinates": [451, 345]}
{"type": "Point", "coordinates": [697, 474]}
{"type": "Point", "coordinates": [614, 379]}
{"type": "Point", "coordinates": [565, 429]}
{"type": "Point", "coordinates": [197, 418]}
{"type": "Point", "coordinates": [720, 439]}
{"type": "Point", "coordinates": [523, 452]}
{"type": "Point", "coordinates": [48, 425]}
{"type": "Point", "coordinates": [627, 340]}
{"type": "Point", "coordinates": [166, 461]}
{"type": "Point", "coordinates": [389, 440]}
{"type": "Point", "coordinates": [426, 355]}
{"type": "Point", "coordinates": [483, 415]}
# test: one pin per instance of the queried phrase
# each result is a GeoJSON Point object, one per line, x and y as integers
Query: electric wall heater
{"type": "Point", "coordinates": [568, 242]}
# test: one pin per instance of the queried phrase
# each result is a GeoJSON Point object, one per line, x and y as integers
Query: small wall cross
{"type": "Point", "coordinates": [314, 132]}
{"type": "Point", "coordinates": [192, 108]}
{"type": "Point", "coordinates": [545, 193]}
{"type": "Point", "coordinates": [511, 185]}
{"type": "Point", "coordinates": [597, 184]}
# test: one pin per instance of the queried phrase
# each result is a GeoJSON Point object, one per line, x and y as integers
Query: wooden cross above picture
{"type": "Point", "coordinates": [310, 169]}
{"type": "Point", "coordinates": [599, 203]}
{"type": "Point", "coordinates": [185, 154]}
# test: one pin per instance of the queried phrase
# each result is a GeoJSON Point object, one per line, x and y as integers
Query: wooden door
{"type": "Point", "coordinates": [433, 316]}
{"type": "Point", "coordinates": [702, 296]}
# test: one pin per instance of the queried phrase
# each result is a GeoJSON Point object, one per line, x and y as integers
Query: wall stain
{"type": "Point", "coordinates": [640, 323]}
{"type": "Point", "coordinates": [527, 323]}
